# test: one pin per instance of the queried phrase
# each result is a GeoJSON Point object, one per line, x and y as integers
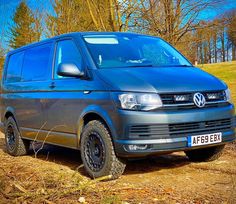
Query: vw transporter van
{"type": "Point", "coordinates": [113, 96]}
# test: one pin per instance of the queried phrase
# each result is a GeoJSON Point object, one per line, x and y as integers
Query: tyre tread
{"type": "Point", "coordinates": [117, 165]}
{"type": "Point", "coordinates": [22, 146]}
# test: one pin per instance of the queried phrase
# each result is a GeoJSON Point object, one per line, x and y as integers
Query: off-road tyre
{"type": "Point", "coordinates": [97, 152]}
{"type": "Point", "coordinates": [17, 146]}
{"type": "Point", "coordinates": [205, 154]}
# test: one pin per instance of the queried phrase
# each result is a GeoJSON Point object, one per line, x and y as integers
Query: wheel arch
{"type": "Point", "coordinates": [9, 112]}
{"type": "Point", "coordinates": [95, 113]}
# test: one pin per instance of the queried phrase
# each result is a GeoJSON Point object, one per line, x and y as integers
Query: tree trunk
{"type": "Point", "coordinates": [223, 45]}
{"type": "Point", "coordinates": [201, 53]}
{"type": "Point", "coordinates": [205, 54]}
{"type": "Point", "coordinates": [233, 52]}
{"type": "Point", "coordinates": [209, 51]}
{"type": "Point", "coordinates": [227, 52]}
{"type": "Point", "coordinates": [215, 48]}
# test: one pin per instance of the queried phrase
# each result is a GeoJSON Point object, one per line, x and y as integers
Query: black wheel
{"type": "Point", "coordinates": [205, 154]}
{"type": "Point", "coordinates": [97, 152]}
{"type": "Point", "coordinates": [15, 145]}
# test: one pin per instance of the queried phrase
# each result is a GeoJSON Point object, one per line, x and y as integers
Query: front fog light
{"type": "Point", "coordinates": [137, 147]}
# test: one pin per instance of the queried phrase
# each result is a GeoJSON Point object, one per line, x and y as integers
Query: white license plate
{"type": "Point", "coordinates": [199, 140]}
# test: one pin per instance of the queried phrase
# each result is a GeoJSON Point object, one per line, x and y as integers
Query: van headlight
{"type": "Point", "coordinates": [228, 95]}
{"type": "Point", "coordinates": [139, 101]}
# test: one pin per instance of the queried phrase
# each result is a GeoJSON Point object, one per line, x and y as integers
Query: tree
{"type": "Point", "coordinates": [188, 41]}
{"type": "Point", "coordinates": [70, 16]}
{"type": "Point", "coordinates": [215, 39]}
{"type": "Point", "coordinates": [2, 58]}
{"type": "Point", "coordinates": [38, 24]}
{"type": "Point", "coordinates": [113, 15]}
{"type": "Point", "coordinates": [172, 19]}
{"type": "Point", "coordinates": [232, 32]}
{"type": "Point", "coordinates": [97, 15]}
{"type": "Point", "coordinates": [222, 41]}
{"type": "Point", "coordinates": [23, 31]}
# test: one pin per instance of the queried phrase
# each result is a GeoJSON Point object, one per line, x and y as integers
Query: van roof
{"type": "Point", "coordinates": [72, 34]}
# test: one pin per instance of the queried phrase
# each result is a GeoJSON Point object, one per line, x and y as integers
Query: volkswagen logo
{"type": "Point", "coordinates": [199, 100]}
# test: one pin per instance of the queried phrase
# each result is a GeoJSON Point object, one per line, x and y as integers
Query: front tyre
{"type": "Point", "coordinates": [97, 152]}
{"type": "Point", "coordinates": [205, 154]}
{"type": "Point", "coordinates": [15, 145]}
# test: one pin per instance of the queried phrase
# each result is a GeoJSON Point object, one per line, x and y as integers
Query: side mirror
{"type": "Point", "coordinates": [69, 70]}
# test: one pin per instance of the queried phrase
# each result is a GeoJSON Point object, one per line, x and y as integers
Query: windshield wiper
{"type": "Point", "coordinates": [180, 65]}
{"type": "Point", "coordinates": [140, 65]}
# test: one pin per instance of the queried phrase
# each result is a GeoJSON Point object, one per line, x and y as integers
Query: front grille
{"type": "Point", "coordinates": [170, 99]}
{"type": "Point", "coordinates": [214, 125]}
{"type": "Point", "coordinates": [148, 130]}
{"type": "Point", "coordinates": [193, 106]}
{"type": "Point", "coordinates": [179, 129]}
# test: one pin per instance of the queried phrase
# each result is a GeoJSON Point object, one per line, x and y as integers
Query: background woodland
{"type": "Point", "coordinates": [176, 21]}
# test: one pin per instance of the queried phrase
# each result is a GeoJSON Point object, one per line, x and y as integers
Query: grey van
{"type": "Point", "coordinates": [113, 96]}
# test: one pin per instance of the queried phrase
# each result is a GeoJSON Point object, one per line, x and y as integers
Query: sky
{"type": "Point", "coordinates": [218, 10]}
{"type": "Point", "coordinates": [8, 7]}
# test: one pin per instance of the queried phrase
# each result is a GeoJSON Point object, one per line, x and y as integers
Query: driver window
{"type": "Point", "coordinates": [67, 52]}
{"type": "Point", "coordinates": [159, 56]}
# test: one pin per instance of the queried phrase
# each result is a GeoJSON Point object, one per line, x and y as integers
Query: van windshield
{"type": "Point", "coordinates": [122, 51]}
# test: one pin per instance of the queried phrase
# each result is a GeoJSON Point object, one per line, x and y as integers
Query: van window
{"type": "Point", "coordinates": [14, 67]}
{"type": "Point", "coordinates": [36, 63]}
{"type": "Point", "coordinates": [67, 52]}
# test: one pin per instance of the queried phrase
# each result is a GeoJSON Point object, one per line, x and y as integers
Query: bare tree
{"type": "Point", "coordinates": [172, 19]}
{"type": "Point", "coordinates": [113, 15]}
{"type": "Point", "coordinates": [222, 41]}
{"type": "Point", "coordinates": [231, 31]}
{"type": "Point", "coordinates": [2, 58]}
{"type": "Point", "coordinates": [70, 16]}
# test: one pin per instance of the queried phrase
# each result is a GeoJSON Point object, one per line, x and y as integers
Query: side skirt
{"type": "Point", "coordinates": [56, 138]}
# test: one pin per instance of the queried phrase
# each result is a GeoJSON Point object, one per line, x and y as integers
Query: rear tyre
{"type": "Point", "coordinates": [205, 154]}
{"type": "Point", "coordinates": [15, 145]}
{"type": "Point", "coordinates": [97, 152]}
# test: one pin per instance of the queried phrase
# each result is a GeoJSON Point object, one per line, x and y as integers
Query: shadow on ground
{"type": "Point", "coordinates": [71, 158]}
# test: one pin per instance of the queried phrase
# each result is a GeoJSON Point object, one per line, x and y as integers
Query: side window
{"type": "Point", "coordinates": [14, 67]}
{"type": "Point", "coordinates": [36, 66]}
{"type": "Point", "coordinates": [67, 52]}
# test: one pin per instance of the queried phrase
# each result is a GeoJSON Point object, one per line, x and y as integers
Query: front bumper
{"type": "Point", "coordinates": [167, 131]}
{"type": "Point", "coordinates": [162, 146]}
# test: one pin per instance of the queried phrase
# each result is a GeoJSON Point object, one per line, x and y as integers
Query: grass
{"type": "Point", "coordinates": [225, 71]}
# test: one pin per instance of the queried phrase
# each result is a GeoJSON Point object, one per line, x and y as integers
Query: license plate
{"type": "Point", "coordinates": [199, 140]}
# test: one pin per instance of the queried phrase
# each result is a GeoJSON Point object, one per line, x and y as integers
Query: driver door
{"type": "Point", "coordinates": [64, 100]}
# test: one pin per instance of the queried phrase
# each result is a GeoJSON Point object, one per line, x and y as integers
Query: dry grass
{"type": "Point", "coordinates": [225, 71]}
{"type": "Point", "coordinates": [28, 179]}
{"type": "Point", "coordinates": [55, 178]}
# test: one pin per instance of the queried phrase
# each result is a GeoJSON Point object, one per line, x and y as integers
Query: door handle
{"type": "Point", "coordinates": [52, 85]}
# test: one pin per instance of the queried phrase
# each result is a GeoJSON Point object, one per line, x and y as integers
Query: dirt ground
{"type": "Point", "coordinates": [56, 175]}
